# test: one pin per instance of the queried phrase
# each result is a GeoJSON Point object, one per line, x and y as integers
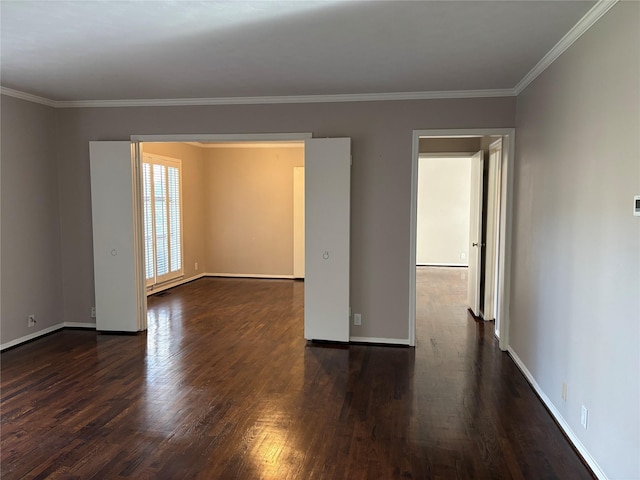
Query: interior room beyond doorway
{"type": "Point", "coordinates": [457, 177]}
{"type": "Point", "coordinates": [237, 207]}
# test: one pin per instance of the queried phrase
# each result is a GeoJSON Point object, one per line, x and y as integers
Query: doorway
{"type": "Point", "coordinates": [198, 264]}
{"type": "Point", "coordinates": [443, 225]}
{"type": "Point", "coordinates": [236, 209]}
{"type": "Point", "coordinates": [118, 252]}
{"type": "Point", "coordinates": [501, 224]}
{"type": "Point", "coordinates": [443, 209]}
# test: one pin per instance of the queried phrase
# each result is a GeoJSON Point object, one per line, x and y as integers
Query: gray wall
{"type": "Point", "coordinates": [30, 239]}
{"type": "Point", "coordinates": [575, 308]}
{"type": "Point", "coordinates": [381, 135]}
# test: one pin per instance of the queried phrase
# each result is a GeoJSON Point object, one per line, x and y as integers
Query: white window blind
{"type": "Point", "coordinates": [162, 218]}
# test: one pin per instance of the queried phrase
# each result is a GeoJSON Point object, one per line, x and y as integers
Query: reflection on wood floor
{"type": "Point", "coordinates": [223, 386]}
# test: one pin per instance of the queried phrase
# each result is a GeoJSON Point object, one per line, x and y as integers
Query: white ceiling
{"type": "Point", "coordinates": [107, 50]}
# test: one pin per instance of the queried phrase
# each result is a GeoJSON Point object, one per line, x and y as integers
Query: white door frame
{"type": "Point", "coordinates": [475, 244]}
{"type": "Point", "coordinates": [181, 138]}
{"type": "Point", "coordinates": [492, 237]}
{"type": "Point", "coordinates": [298, 223]}
{"type": "Point", "coordinates": [504, 247]}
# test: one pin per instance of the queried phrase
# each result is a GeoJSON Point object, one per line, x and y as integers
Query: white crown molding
{"type": "Point", "coordinates": [356, 97]}
{"type": "Point", "coordinates": [183, 102]}
{"type": "Point", "coordinates": [584, 24]}
{"type": "Point", "coordinates": [10, 92]}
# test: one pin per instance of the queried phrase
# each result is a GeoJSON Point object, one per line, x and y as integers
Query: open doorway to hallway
{"type": "Point", "coordinates": [460, 217]}
{"type": "Point", "coordinates": [442, 237]}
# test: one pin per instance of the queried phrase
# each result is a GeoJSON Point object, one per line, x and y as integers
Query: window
{"type": "Point", "coordinates": [162, 210]}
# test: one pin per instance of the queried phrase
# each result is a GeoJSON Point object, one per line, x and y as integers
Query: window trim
{"type": "Point", "coordinates": [154, 159]}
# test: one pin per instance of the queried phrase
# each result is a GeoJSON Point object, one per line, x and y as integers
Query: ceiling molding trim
{"type": "Point", "coordinates": [10, 92]}
{"type": "Point", "coordinates": [185, 102]}
{"type": "Point", "coordinates": [584, 24]}
{"type": "Point", "coordinates": [358, 97]}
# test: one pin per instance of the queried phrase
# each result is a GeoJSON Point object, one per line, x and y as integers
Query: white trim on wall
{"type": "Point", "coordinates": [31, 336]}
{"type": "Point", "coordinates": [384, 341]}
{"type": "Point", "coordinates": [447, 154]}
{"type": "Point", "coordinates": [46, 331]}
{"type": "Point", "coordinates": [182, 281]}
{"type": "Point", "coordinates": [10, 92]}
{"type": "Point", "coordinates": [250, 275]}
{"type": "Point", "coordinates": [434, 264]}
{"type": "Point", "coordinates": [337, 98]}
{"type": "Point", "coordinates": [573, 438]}
{"type": "Point", "coordinates": [171, 284]}
{"type": "Point", "coordinates": [584, 24]}
{"type": "Point", "coordinates": [88, 326]}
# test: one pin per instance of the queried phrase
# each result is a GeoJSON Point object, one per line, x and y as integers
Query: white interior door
{"type": "Point", "coordinates": [492, 234]}
{"type": "Point", "coordinates": [298, 222]}
{"type": "Point", "coordinates": [327, 224]}
{"type": "Point", "coordinates": [119, 282]}
{"type": "Point", "coordinates": [475, 233]}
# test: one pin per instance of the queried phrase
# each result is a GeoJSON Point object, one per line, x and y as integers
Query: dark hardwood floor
{"type": "Point", "coordinates": [223, 386]}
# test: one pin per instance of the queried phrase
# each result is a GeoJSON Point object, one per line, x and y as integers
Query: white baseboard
{"type": "Point", "coordinates": [31, 336]}
{"type": "Point", "coordinates": [250, 275]}
{"type": "Point", "coordinates": [169, 285]}
{"type": "Point", "coordinates": [442, 264]}
{"type": "Point", "coordinates": [90, 326]}
{"type": "Point", "coordinates": [387, 341]}
{"type": "Point", "coordinates": [45, 331]}
{"type": "Point", "coordinates": [166, 286]}
{"type": "Point", "coordinates": [558, 417]}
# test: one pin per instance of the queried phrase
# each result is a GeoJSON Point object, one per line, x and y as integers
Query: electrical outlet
{"type": "Point", "coordinates": [357, 319]}
{"type": "Point", "coordinates": [463, 256]}
{"type": "Point", "coordinates": [93, 312]}
{"type": "Point", "coordinates": [31, 321]}
{"type": "Point", "coordinates": [584, 417]}
{"type": "Point", "coordinates": [564, 391]}
{"type": "Point", "coordinates": [196, 266]}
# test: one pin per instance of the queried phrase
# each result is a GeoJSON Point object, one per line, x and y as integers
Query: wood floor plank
{"type": "Point", "coordinates": [223, 386]}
